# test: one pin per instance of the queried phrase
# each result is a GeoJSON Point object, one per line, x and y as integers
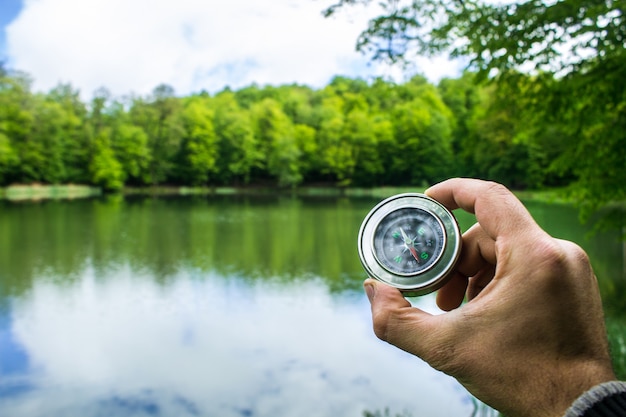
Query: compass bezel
{"type": "Point", "coordinates": [424, 281]}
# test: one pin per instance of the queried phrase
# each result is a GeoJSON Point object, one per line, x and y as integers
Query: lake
{"type": "Point", "coordinates": [219, 306]}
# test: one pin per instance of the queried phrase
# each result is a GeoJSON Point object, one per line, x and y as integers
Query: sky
{"type": "Point", "coordinates": [132, 46]}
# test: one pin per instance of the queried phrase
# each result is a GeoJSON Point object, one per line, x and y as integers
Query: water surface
{"type": "Point", "coordinates": [216, 306]}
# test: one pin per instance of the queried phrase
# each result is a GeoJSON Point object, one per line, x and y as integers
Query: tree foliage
{"type": "Point", "coordinates": [559, 65]}
{"type": "Point", "coordinates": [550, 36]}
{"type": "Point", "coordinates": [350, 132]}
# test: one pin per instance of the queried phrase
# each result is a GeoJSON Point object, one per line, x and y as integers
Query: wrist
{"type": "Point", "coordinates": [606, 399]}
{"type": "Point", "coordinates": [555, 392]}
{"type": "Point", "coordinates": [583, 380]}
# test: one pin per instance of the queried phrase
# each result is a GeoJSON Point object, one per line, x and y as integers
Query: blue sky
{"type": "Point", "coordinates": [8, 12]}
{"type": "Point", "coordinates": [131, 46]}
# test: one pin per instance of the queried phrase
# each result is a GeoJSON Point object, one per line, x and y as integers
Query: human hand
{"type": "Point", "coordinates": [531, 337]}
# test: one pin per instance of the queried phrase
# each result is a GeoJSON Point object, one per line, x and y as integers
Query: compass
{"type": "Point", "coordinates": [411, 242]}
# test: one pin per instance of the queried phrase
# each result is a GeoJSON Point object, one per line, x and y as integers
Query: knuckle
{"type": "Point", "coordinates": [559, 255]}
{"type": "Point", "coordinates": [564, 265]}
{"type": "Point", "coordinates": [496, 188]}
{"type": "Point", "coordinates": [577, 254]}
{"type": "Point", "coordinates": [551, 262]}
{"type": "Point", "coordinates": [552, 254]}
{"type": "Point", "coordinates": [577, 258]}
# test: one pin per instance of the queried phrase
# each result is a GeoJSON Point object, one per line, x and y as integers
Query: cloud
{"type": "Point", "coordinates": [134, 45]}
{"type": "Point", "coordinates": [116, 341]}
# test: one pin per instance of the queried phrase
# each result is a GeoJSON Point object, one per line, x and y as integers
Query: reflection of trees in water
{"type": "Point", "coordinates": [281, 239]}
{"type": "Point", "coordinates": [480, 410]}
{"type": "Point", "coordinates": [385, 413]}
{"type": "Point", "coordinates": [268, 238]}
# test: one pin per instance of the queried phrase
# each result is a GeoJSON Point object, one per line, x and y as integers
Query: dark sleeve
{"type": "Point", "coordinates": [604, 400]}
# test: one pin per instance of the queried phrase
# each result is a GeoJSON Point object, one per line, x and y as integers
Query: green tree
{"type": "Point", "coordinates": [38, 130]}
{"type": "Point", "coordinates": [360, 133]}
{"type": "Point", "coordinates": [69, 137]}
{"type": "Point", "coordinates": [382, 173]}
{"type": "Point", "coordinates": [246, 97]}
{"type": "Point", "coordinates": [198, 149]}
{"type": "Point", "coordinates": [462, 96]}
{"type": "Point", "coordinates": [575, 47]}
{"type": "Point", "coordinates": [423, 132]}
{"type": "Point", "coordinates": [554, 36]}
{"type": "Point", "coordinates": [130, 146]}
{"type": "Point", "coordinates": [296, 103]}
{"type": "Point", "coordinates": [8, 159]}
{"type": "Point", "coordinates": [16, 120]}
{"type": "Point", "coordinates": [106, 171]}
{"type": "Point", "coordinates": [48, 138]}
{"type": "Point", "coordinates": [498, 144]}
{"type": "Point", "coordinates": [307, 143]}
{"type": "Point", "coordinates": [382, 95]}
{"type": "Point", "coordinates": [238, 146]}
{"type": "Point", "coordinates": [336, 159]}
{"type": "Point", "coordinates": [589, 110]}
{"type": "Point", "coordinates": [278, 142]}
{"type": "Point", "coordinates": [158, 117]}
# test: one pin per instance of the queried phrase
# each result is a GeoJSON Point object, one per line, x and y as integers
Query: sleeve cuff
{"type": "Point", "coordinates": [604, 400]}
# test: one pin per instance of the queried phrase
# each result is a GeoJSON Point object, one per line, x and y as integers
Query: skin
{"type": "Point", "coordinates": [531, 337]}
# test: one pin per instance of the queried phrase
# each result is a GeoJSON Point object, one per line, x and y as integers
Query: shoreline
{"type": "Point", "coordinates": [37, 192]}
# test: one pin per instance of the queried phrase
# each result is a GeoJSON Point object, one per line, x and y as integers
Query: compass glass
{"type": "Point", "coordinates": [408, 241]}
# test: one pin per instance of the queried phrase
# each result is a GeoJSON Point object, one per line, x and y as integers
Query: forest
{"type": "Point", "coordinates": [349, 133]}
{"type": "Point", "coordinates": [559, 122]}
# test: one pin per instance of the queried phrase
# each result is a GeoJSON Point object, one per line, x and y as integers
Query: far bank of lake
{"type": "Point", "coordinates": [24, 192]}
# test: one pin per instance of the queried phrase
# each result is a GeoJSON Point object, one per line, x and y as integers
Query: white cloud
{"type": "Point", "coordinates": [116, 337]}
{"type": "Point", "coordinates": [134, 45]}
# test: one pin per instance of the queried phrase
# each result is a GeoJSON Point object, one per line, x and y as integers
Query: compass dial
{"type": "Point", "coordinates": [411, 242]}
{"type": "Point", "coordinates": [408, 241]}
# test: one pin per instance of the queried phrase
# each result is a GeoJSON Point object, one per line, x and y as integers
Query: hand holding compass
{"type": "Point", "coordinates": [531, 337]}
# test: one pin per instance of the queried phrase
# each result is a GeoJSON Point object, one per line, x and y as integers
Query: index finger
{"type": "Point", "coordinates": [497, 210]}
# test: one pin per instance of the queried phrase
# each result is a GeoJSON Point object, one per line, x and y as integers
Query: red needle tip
{"type": "Point", "coordinates": [414, 253]}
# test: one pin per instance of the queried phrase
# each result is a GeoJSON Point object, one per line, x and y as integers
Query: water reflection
{"type": "Point", "coordinates": [214, 306]}
{"type": "Point", "coordinates": [121, 344]}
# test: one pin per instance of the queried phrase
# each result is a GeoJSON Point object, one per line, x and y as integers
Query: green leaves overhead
{"type": "Point", "coordinates": [558, 114]}
{"type": "Point", "coordinates": [555, 36]}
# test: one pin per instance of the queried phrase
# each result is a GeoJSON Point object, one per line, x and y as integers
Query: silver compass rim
{"type": "Point", "coordinates": [427, 280]}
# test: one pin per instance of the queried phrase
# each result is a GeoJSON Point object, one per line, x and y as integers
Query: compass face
{"type": "Point", "coordinates": [408, 241]}
{"type": "Point", "coordinates": [411, 242]}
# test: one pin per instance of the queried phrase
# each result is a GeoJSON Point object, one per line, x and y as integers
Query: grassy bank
{"type": "Point", "coordinates": [71, 191]}
{"type": "Point", "coordinates": [44, 192]}
{"type": "Point", "coordinates": [324, 191]}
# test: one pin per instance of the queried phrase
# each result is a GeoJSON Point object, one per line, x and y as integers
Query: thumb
{"type": "Point", "coordinates": [396, 321]}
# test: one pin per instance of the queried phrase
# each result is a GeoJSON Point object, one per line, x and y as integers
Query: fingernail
{"type": "Point", "coordinates": [370, 291]}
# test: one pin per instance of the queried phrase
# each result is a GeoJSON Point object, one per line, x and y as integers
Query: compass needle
{"type": "Point", "coordinates": [405, 237]}
{"type": "Point", "coordinates": [408, 244]}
